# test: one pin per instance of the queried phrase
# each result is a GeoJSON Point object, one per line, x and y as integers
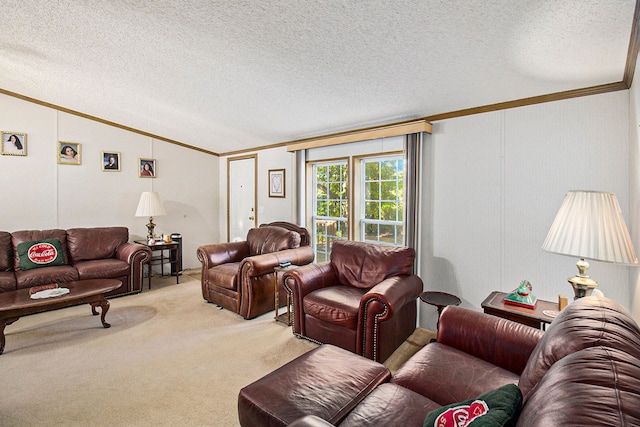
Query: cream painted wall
{"type": "Point", "coordinates": [44, 194]}
{"type": "Point", "coordinates": [497, 182]}
{"type": "Point", "coordinates": [268, 209]}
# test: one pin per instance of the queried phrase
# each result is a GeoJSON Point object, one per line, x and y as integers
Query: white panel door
{"type": "Point", "coordinates": [241, 215]}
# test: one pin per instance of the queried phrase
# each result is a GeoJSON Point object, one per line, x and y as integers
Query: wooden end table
{"type": "Point", "coordinates": [536, 318]}
{"type": "Point", "coordinates": [160, 259]}
{"type": "Point", "coordinates": [440, 300]}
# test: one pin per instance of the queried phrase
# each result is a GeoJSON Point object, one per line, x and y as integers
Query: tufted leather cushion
{"type": "Point", "coordinates": [587, 322]}
{"type": "Point", "coordinates": [95, 243]}
{"type": "Point", "coordinates": [266, 239]}
{"type": "Point", "coordinates": [364, 265]}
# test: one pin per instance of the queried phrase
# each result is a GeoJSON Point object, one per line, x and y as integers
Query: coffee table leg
{"type": "Point", "coordinates": [104, 304]}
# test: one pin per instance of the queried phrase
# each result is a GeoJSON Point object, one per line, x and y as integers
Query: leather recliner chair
{"type": "Point", "coordinates": [363, 300]}
{"type": "Point", "coordinates": [239, 276]}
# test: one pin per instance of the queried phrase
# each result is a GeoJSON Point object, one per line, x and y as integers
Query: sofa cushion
{"type": "Point", "coordinates": [587, 322]}
{"type": "Point", "coordinates": [390, 405]}
{"type": "Point", "coordinates": [45, 276]}
{"type": "Point", "coordinates": [335, 304]}
{"type": "Point", "coordinates": [499, 407]}
{"type": "Point", "coordinates": [18, 237]}
{"type": "Point", "coordinates": [40, 253]}
{"type": "Point", "coordinates": [447, 375]}
{"type": "Point", "coordinates": [7, 281]}
{"type": "Point", "coordinates": [6, 252]}
{"type": "Point", "coordinates": [102, 269]}
{"type": "Point", "coordinates": [364, 265]}
{"type": "Point", "coordinates": [595, 386]}
{"type": "Point", "coordinates": [224, 275]}
{"type": "Point", "coordinates": [95, 243]}
{"type": "Point", "coordinates": [266, 239]}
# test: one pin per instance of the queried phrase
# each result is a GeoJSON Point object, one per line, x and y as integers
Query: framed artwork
{"type": "Point", "coordinates": [147, 168]}
{"type": "Point", "coordinates": [111, 161]}
{"type": "Point", "coordinates": [276, 182]}
{"type": "Point", "coordinates": [68, 153]}
{"type": "Point", "coordinates": [14, 144]}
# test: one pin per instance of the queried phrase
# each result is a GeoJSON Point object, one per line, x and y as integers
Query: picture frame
{"type": "Point", "coordinates": [111, 161]}
{"type": "Point", "coordinates": [69, 153]}
{"type": "Point", "coordinates": [147, 168]}
{"type": "Point", "coordinates": [13, 144]}
{"type": "Point", "coordinates": [277, 183]}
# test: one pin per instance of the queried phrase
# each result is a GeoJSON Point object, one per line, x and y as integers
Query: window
{"type": "Point", "coordinates": [377, 214]}
{"type": "Point", "coordinates": [330, 217]}
{"type": "Point", "coordinates": [382, 200]}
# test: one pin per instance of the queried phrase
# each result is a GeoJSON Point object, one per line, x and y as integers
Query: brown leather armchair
{"type": "Point", "coordinates": [239, 276]}
{"type": "Point", "coordinates": [363, 300]}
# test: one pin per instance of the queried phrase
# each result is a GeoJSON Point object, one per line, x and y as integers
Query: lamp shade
{"type": "Point", "coordinates": [150, 205]}
{"type": "Point", "coordinates": [589, 225]}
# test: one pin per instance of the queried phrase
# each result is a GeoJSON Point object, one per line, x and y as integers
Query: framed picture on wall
{"type": "Point", "coordinates": [14, 144]}
{"type": "Point", "coordinates": [111, 161]}
{"type": "Point", "coordinates": [68, 153]}
{"type": "Point", "coordinates": [147, 168]}
{"type": "Point", "coordinates": [276, 182]}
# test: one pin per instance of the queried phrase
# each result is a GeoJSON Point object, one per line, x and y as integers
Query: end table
{"type": "Point", "coordinates": [284, 317]}
{"type": "Point", "coordinates": [440, 300]}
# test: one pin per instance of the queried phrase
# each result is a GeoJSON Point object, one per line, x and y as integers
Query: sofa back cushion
{"type": "Point", "coordinates": [596, 386]}
{"type": "Point", "coordinates": [22, 236]}
{"type": "Point", "coordinates": [587, 322]}
{"type": "Point", "coordinates": [364, 265]}
{"type": "Point", "coordinates": [6, 252]}
{"type": "Point", "coordinates": [95, 243]}
{"type": "Point", "coordinates": [264, 240]}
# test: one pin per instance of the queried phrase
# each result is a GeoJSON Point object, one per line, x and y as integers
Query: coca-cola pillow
{"type": "Point", "coordinates": [40, 253]}
{"type": "Point", "coordinates": [496, 408]}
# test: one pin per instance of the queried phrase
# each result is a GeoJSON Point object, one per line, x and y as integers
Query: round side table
{"type": "Point", "coordinates": [440, 300]}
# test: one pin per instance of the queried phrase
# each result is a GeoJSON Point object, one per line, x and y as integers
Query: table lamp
{"type": "Point", "coordinates": [589, 225]}
{"type": "Point", "coordinates": [150, 205]}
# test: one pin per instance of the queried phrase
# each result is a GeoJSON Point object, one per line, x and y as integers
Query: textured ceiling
{"type": "Point", "coordinates": [229, 75]}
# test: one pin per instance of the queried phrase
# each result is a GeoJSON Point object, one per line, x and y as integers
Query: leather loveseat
{"type": "Point", "coordinates": [72, 254]}
{"type": "Point", "coordinates": [583, 371]}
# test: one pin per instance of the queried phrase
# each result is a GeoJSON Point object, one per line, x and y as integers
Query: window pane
{"type": "Point", "coordinates": [371, 171]}
{"type": "Point", "coordinates": [372, 210]}
{"type": "Point", "coordinates": [389, 211]}
{"type": "Point", "coordinates": [388, 190]}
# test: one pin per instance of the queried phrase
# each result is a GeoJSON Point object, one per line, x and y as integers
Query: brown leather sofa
{"type": "Point", "coordinates": [88, 253]}
{"type": "Point", "coordinates": [363, 300]}
{"type": "Point", "coordinates": [583, 371]}
{"type": "Point", "coordinates": [239, 276]}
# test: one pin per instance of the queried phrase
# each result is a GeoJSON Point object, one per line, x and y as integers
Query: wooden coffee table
{"type": "Point", "coordinates": [15, 304]}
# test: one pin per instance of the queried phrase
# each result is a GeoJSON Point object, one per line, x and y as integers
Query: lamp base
{"type": "Point", "coordinates": [582, 286]}
{"type": "Point", "coordinates": [150, 229]}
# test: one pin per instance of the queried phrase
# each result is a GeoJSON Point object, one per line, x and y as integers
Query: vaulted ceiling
{"type": "Point", "coordinates": [225, 76]}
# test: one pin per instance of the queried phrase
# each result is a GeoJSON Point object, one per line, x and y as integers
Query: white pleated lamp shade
{"type": "Point", "coordinates": [590, 225]}
{"type": "Point", "coordinates": [150, 205]}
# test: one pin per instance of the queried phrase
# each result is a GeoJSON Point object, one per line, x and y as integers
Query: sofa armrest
{"type": "Point", "coordinates": [259, 265]}
{"type": "Point", "coordinates": [390, 295]}
{"type": "Point", "coordinates": [133, 252]}
{"type": "Point", "coordinates": [222, 253]}
{"type": "Point", "coordinates": [136, 255]}
{"type": "Point", "coordinates": [499, 341]}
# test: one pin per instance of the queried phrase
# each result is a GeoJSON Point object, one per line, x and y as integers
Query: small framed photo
{"type": "Point", "coordinates": [14, 144]}
{"type": "Point", "coordinates": [68, 153]}
{"type": "Point", "coordinates": [147, 168]}
{"type": "Point", "coordinates": [111, 161]}
{"type": "Point", "coordinates": [276, 182]}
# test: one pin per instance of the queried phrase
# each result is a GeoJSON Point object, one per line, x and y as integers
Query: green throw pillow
{"type": "Point", "coordinates": [500, 407]}
{"type": "Point", "coordinates": [40, 253]}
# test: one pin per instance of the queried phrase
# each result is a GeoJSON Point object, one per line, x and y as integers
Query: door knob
{"type": "Point", "coordinates": [252, 218]}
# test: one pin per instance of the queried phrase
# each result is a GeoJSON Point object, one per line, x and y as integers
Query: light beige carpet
{"type": "Point", "coordinates": [168, 359]}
